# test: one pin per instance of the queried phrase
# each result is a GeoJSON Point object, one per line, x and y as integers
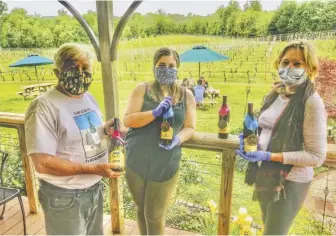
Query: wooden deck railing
{"type": "Point", "coordinates": [201, 141]}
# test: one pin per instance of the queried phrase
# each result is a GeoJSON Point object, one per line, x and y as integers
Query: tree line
{"type": "Point", "coordinates": [20, 30]}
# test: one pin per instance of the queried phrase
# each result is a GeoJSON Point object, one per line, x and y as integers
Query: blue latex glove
{"type": "Point", "coordinates": [175, 143]}
{"type": "Point", "coordinates": [163, 107]}
{"type": "Point", "coordinates": [255, 156]}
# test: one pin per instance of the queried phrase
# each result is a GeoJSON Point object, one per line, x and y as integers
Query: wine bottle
{"type": "Point", "coordinates": [250, 130]}
{"type": "Point", "coordinates": [330, 138]}
{"type": "Point", "coordinates": [117, 151]}
{"type": "Point", "coordinates": [167, 130]}
{"type": "Point", "coordinates": [250, 144]}
{"type": "Point", "coordinates": [223, 120]}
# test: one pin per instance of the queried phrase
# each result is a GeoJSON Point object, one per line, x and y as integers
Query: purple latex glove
{"type": "Point", "coordinates": [175, 143]}
{"type": "Point", "coordinates": [255, 156]}
{"type": "Point", "coordinates": [163, 107]}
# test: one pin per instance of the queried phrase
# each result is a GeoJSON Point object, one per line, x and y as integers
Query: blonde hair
{"type": "Point", "coordinates": [72, 52]}
{"type": "Point", "coordinates": [309, 56]}
{"type": "Point", "coordinates": [174, 90]}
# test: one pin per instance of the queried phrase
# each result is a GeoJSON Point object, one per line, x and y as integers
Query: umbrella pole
{"type": "Point", "coordinates": [38, 81]}
{"type": "Point", "coordinates": [199, 70]}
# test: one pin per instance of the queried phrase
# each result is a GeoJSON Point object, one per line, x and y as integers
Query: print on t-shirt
{"type": "Point", "coordinates": [94, 146]}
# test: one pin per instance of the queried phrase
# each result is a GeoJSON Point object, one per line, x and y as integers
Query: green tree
{"type": "Point", "coordinates": [62, 12]}
{"type": "Point", "coordinates": [3, 8]}
{"type": "Point", "coordinates": [255, 5]}
{"type": "Point", "coordinates": [281, 20]}
{"type": "Point", "coordinates": [226, 12]}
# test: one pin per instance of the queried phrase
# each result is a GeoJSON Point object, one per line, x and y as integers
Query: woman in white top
{"type": "Point", "coordinates": [292, 139]}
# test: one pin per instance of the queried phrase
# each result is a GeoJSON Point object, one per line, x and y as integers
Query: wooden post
{"type": "Point", "coordinates": [224, 214]}
{"type": "Point", "coordinates": [28, 171]}
{"type": "Point", "coordinates": [110, 85]}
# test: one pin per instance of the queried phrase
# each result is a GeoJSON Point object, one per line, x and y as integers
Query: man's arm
{"type": "Point", "coordinates": [47, 164]}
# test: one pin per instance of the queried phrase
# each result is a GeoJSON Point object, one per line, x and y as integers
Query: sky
{"type": "Point", "coordinates": [50, 7]}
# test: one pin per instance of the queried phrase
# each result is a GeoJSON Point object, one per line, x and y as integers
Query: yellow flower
{"type": "Point", "coordinates": [253, 231]}
{"type": "Point", "coordinates": [242, 214]}
{"type": "Point", "coordinates": [260, 231]}
{"type": "Point", "coordinates": [245, 230]}
{"type": "Point", "coordinates": [212, 205]}
{"type": "Point", "coordinates": [247, 221]}
{"type": "Point", "coordinates": [213, 208]}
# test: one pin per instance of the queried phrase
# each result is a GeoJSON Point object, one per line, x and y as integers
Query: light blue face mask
{"type": "Point", "coordinates": [165, 75]}
{"type": "Point", "coordinates": [292, 76]}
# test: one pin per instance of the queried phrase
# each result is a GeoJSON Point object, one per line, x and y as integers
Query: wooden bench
{"type": "Point", "coordinates": [34, 90]}
{"type": "Point", "coordinates": [206, 104]}
{"type": "Point", "coordinates": [33, 94]}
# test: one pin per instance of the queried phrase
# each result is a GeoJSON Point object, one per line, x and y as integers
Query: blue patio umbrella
{"type": "Point", "coordinates": [201, 54]}
{"type": "Point", "coordinates": [33, 61]}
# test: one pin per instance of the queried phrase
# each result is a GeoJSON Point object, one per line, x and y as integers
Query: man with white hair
{"type": "Point", "coordinates": [67, 142]}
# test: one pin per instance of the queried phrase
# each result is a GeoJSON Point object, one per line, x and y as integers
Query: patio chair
{"type": "Point", "coordinates": [8, 194]}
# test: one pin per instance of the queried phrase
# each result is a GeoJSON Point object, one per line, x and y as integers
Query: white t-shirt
{"type": "Point", "coordinates": [69, 128]}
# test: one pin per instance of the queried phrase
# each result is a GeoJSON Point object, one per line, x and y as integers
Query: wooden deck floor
{"type": "Point", "coordinates": [12, 223]}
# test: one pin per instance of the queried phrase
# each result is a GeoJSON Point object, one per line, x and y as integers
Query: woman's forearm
{"type": "Point", "coordinates": [277, 157]}
{"type": "Point", "coordinates": [138, 119]}
{"type": "Point", "coordinates": [185, 134]}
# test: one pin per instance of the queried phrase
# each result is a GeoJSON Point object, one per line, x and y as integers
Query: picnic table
{"type": "Point", "coordinates": [212, 93]}
{"type": "Point", "coordinates": [34, 89]}
{"type": "Point", "coordinates": [206, 103]}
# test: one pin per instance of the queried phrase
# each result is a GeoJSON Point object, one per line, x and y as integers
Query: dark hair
{"type": "Point", "coordinates": [164, 51]}
{"type": "Point", "coordinates": [199, 82]}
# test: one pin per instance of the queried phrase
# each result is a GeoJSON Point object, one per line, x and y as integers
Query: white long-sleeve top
{"type": "Point", "coordinates": [314, 136]}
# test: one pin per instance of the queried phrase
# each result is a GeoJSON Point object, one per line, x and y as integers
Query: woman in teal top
{"type": "Point", "coordinates": [151, 169]}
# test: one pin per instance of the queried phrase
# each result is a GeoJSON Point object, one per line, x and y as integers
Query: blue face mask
{"type": "Point", "coordinates": [165, 75]}
{"type": "Point", "coordinates": [292, 77]}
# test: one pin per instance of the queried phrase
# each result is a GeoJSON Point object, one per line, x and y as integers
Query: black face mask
{"type": "Point", "coordinates": [75, 82]}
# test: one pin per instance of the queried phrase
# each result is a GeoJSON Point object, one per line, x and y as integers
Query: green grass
{"type": "Point", "coordinates": [135, 65]}
{"type": "Point", "coordinates": [206, 119]}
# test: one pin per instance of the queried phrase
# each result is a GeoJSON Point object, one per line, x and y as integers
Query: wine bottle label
{"type": "Point", "coordinates": [250, 148]}
{"type": "Point", "coordinates": [222, 124]}
{"type": "Point", "coordinates": [117, 157]}
{"type": "Point", "coordinates": [251, 143]}
{"type": "Point", "coordinates": [167, 134]}
{"type": "Point", "coordinates": [165, 126]}
{"type": "Point", "coordinates": [226, 130]}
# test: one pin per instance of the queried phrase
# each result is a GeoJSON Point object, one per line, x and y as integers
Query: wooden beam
{"type": "Point", "coordinates": [110, 82]}
{"type": "Point", "coordinates": [225, 199]}
{"type": "Point", "coordinates": [89, 32]}
{"type": "Point", "coordinates": [200, 140]}
{"type": "Point", "coordinates": [111, 100]}
{"type": "Point", "coordinates": [11, 119]}
{"type": "Point", "coordinates": [28, 172]}
{"type": "Point", "coordinates": [120, 28]}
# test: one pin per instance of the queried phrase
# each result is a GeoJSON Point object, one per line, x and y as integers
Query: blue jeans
{"type": "Point", "coordinates": [72, 211]}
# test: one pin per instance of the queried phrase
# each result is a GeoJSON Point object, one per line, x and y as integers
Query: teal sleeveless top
{"type": "Point", "coordinates": [143, 154]}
